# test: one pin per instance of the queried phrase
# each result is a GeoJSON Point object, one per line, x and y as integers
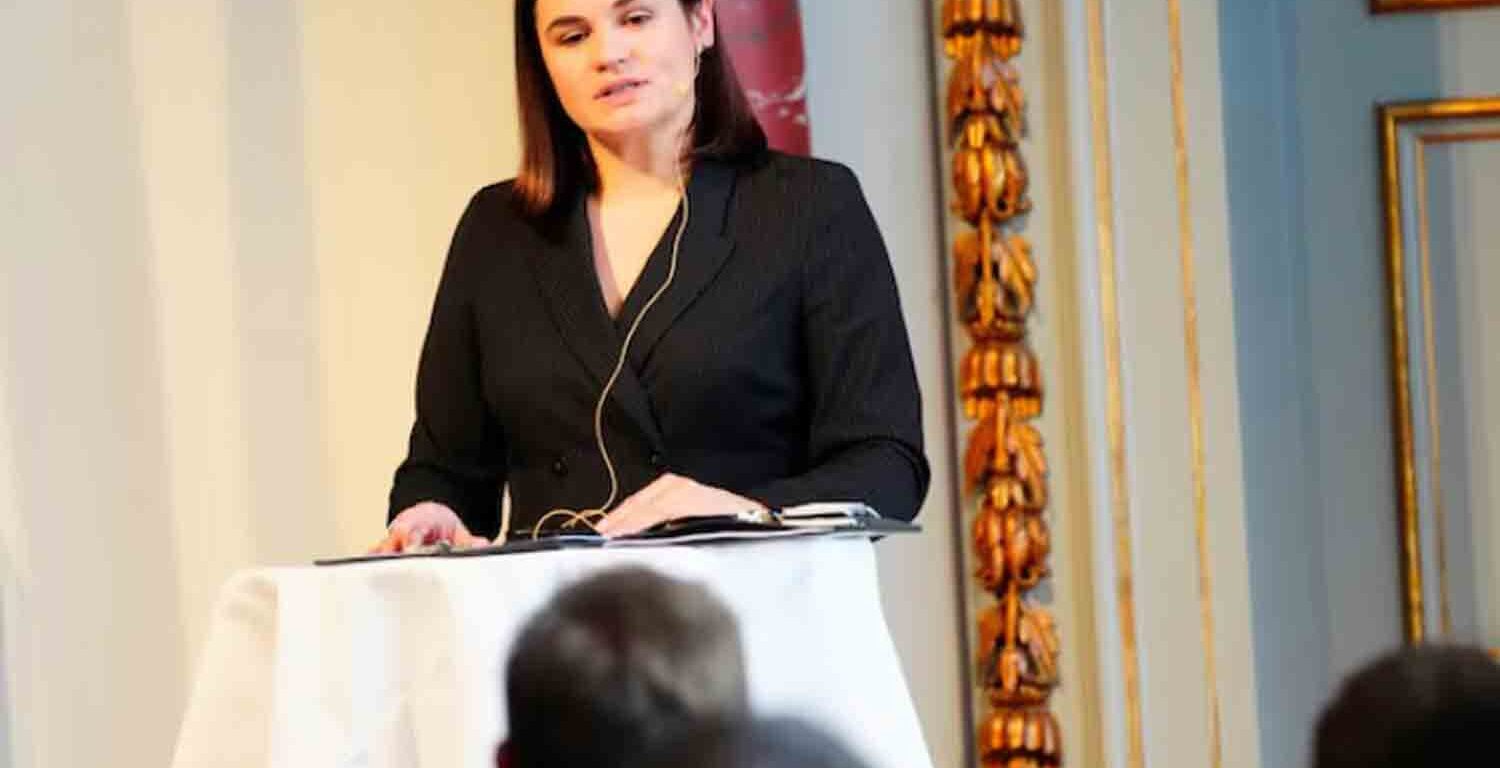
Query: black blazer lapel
{"type": "Point", "coordinates": [564, 271]}
{"type": "Point", "coordinates": [706, 246]}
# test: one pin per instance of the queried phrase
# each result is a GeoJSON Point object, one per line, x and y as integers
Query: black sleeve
{"type": "Point", "coordinates": [865, 431]}
{"type": "Point", "coordinates": [456, 454]}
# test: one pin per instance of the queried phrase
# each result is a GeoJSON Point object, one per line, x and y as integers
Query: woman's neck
{"type": "Point", "coordinates": [644, 165]}
{"type": "Point", "coordinates": [633, 177]}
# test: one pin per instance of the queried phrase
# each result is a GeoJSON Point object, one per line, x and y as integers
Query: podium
{"type": "Point", "coordinates": [400, 662]}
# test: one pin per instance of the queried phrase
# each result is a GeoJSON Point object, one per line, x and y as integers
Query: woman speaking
{"type": "Point", "coordinates": [659, 317]}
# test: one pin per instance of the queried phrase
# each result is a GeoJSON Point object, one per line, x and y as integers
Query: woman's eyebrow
{"type": "Point", "coordinates": [565, 20]}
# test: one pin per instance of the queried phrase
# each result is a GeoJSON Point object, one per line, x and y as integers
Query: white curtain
{"type": "Point", "coordinates": [222, 225]}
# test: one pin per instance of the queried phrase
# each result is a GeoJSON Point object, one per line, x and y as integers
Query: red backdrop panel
{"type": "Point", "coordinates": [764, 40]}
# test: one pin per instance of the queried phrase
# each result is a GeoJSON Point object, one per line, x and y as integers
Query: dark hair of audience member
{"type": "Point", "coordinates": [777, 743]}
{"type": "Point", "coordinates": [1423, 706]}
{"type": "Point", "coordinates": [618, 663]}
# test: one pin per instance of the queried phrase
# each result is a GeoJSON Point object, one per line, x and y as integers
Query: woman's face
{"type": "Point", "coordinates": [623, 66]}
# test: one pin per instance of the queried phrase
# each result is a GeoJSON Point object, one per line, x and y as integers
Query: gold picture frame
{"type": "Point", "coordinates": [1395, 119]}
{"type": "Point", "coordinates": [1419, 6]}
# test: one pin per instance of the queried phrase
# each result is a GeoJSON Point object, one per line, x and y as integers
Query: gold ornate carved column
{"type": "Point", "coordinates": [1000, 384]}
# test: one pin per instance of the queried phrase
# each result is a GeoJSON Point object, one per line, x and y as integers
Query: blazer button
{"type": "Point", "coordinates": [657, 461]}
{"type": "Point", "coordinates": [560, 466]}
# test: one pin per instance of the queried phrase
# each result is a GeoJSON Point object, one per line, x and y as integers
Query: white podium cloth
{"type": "Point", "coordinates": [399, 663]}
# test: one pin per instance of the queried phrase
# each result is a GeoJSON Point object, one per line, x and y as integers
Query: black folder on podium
{"type": "Point", "coordinates": [820, 520]}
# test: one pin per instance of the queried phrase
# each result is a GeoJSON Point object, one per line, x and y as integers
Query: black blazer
{"type": "Point", "coordinates": [776, 366]}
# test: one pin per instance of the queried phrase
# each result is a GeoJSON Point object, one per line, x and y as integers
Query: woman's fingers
{"type": "Point", "coordinates": [638, 521]}
{"type": "Point", "coordinates": [400, 537]}
{"type": "Point", "coordinates": [389, 545]}
{"type": "Point", "coordinates": [462, 539]}
{"type": "Point", "coordinates": [424, 524]}
{"type": "Point", "coordinates": [671, 497]}
{"type": "Point", "coordinates": [404, 539]}
{"type": "Point", "coordinates": [640, 518]}
{"type": "Point", "coordinates": [637, 513]}
{"type": "Point", "coordinates": [417, 535]}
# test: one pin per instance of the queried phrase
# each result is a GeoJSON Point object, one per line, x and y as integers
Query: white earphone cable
{"type": "Point", "coordinates": [588, 517]}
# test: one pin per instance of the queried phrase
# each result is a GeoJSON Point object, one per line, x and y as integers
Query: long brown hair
{"type": "Point", "coordinates": [555, 159]}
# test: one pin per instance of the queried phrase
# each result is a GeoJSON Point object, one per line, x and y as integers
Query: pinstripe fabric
{"type": "Point", "coordinates": [776, 366]}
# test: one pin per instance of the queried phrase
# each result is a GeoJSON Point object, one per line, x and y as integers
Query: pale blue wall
{"type": "Point", "coordinates": [1301, 81]}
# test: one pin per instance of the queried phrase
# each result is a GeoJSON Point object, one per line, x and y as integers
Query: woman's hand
{"type": "Point", "coordinates": [672, 497]}
{"type": "Point", "coordinates": [426, 523]}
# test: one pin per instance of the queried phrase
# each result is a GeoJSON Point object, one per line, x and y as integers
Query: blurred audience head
{"type": "Point", "coordinates": [753, 744]}
{"type": "Point", "coordinates": [617, 664]}
{"type": "Point", "coordinates": [1423, 706]}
